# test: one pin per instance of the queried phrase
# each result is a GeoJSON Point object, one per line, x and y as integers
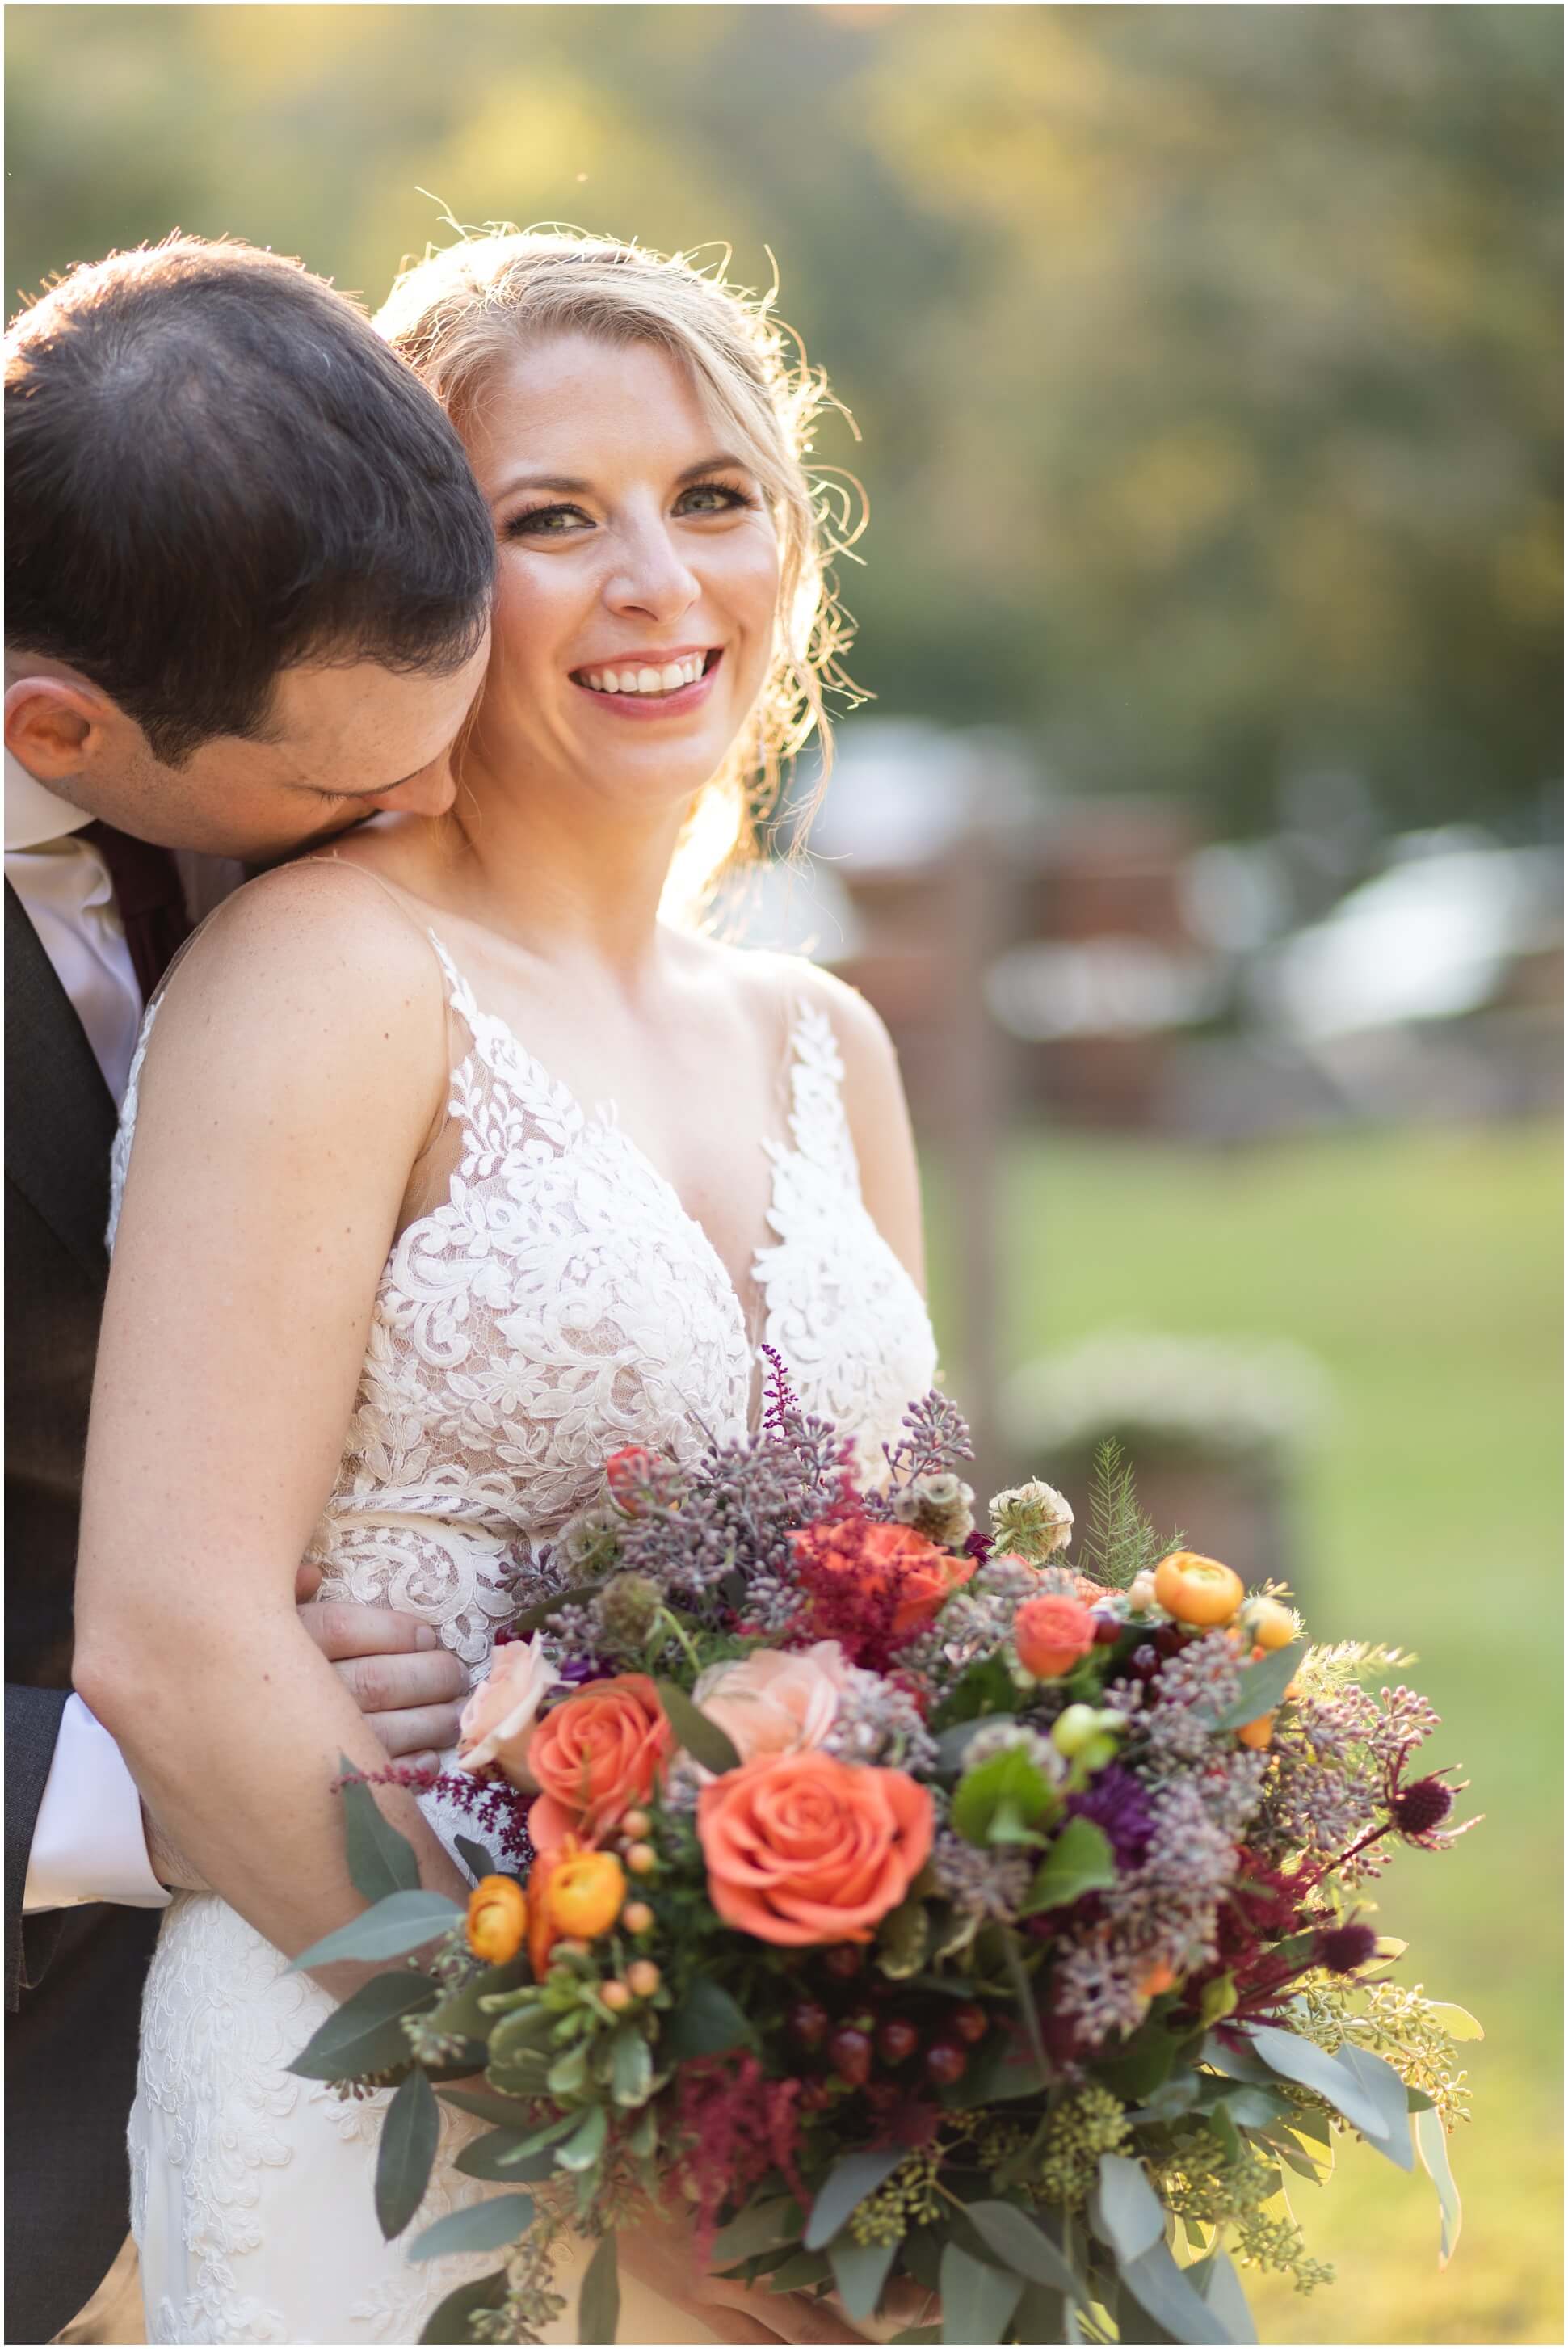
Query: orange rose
{"type": "Point", "coordinates": [1051, 1633]}
{"type": "Point", "coordinates": [801, 1849]}
{"type": "Point", "coordinates": [594, 1757]}
{"type": "Point", "coordinates": [883, 1559]}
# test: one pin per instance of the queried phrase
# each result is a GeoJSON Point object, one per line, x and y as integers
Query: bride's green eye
{"type": "Point", "coordinates": [545, 522]}
{"type": "Point", "coordinates": [724, 499]}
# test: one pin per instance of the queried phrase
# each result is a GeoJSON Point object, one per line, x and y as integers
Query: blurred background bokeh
{"type": "Point", "coordinates": [1201, 844]}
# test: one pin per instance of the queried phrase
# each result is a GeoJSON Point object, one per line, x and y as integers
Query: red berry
{"type": "Point", "coordinates": [971, 2024]}
{"type": "Point", "coordinates": [1106, 1629]}
{"type": "Point", "coordinates": [844, 1961]}
{"type": "Point", "coordinates": [882, 2095]}
{"type": "Point", "coordinates": [816, 2096]}
{"type": "Point", "coordinates": [849, 2053]}
{"type": "Point", "coordinates": [808, 2023]}
{"type": "Point", "coordinates": [897, 2040]}
{"type": "Point", "coordinates": [945, 2063]}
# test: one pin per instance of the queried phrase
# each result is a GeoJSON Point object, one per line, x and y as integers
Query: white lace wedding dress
{"type": "Point", "coordinates": [556, 1303]}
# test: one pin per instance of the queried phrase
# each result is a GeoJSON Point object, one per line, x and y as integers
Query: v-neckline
{"type": "Point", "coordinates": [604, 1116]}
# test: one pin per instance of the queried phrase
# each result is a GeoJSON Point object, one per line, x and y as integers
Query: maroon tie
{"type": "Point", "coordinates": [151, 901]}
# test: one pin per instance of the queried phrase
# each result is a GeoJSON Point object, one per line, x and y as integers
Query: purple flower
{"type": "Point", "coordinates": [1342, 1948]}
{"type": "Point", "coordinates": [1115, 1802]}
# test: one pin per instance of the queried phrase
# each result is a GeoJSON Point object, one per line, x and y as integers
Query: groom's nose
{"type": "Point", "coordinates": [430, 792]}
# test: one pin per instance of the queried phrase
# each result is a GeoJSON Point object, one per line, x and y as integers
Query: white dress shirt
{"type": "Point", "coordinates": [89, 1842]}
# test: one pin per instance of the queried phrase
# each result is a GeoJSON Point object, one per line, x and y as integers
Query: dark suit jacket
{"type": "Point", "coordinates": [74, 1976]}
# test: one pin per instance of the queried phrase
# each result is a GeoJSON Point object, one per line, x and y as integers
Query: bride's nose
{"type": "Point", "coordinates": [649, 576]}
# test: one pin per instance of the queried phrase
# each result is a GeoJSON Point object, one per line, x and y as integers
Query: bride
{"type": "Point", "coordinates": [449, 1166]}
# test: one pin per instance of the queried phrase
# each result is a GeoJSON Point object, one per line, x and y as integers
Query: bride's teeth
{"type": "Point", "coordinates": [647, 680]}
{"type": "Point", "coordinates": [672, 675]}
{"type": "Point", "coordinates": [667, 679]}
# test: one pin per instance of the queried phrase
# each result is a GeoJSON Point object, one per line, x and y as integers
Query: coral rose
{"type": "Point", "coordinates": [499, 1715]}
{"type": "Point", "coordinates": [803, 1850]}
{"type": "Point", "coordinates": [596, 1755]}
{"type": "Point", "coordinates": [1051, 1633]}
{"type": "Point", "coordinates": [886, 1565]}
{"type": "Point", "coordinates": [769, 1703]}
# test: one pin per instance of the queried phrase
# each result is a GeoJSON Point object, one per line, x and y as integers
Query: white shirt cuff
{"type": "Point", "coordinates": [88, 1843]}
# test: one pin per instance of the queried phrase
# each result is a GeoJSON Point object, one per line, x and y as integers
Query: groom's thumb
{"type": "Point", "coordinates": [308, 1582]}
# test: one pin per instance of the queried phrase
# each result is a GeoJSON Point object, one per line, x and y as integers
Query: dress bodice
{"type": "Point", "coordinates": [560, 1303]}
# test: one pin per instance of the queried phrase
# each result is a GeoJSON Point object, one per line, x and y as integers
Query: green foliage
{"type": "Point", "coordinates": [1119, 1542]}
{"type": "Point", "coordinates": [365, 2035]}
{"type": "Point", "coordinates": [1004, 1800]}
{"type": "Point", "coordinates": [703, 1739]}
{"type": "Point", "coordinates": [380, 1861]}
{"type": "Point", "coordinates": [599, 2301]}
{"type": "Point", "coordinates": [408, 2138]}
{"type": "Point", "coordinates": [399, 1922]}
{"type": "Point", "coordinates": [1078, 1861]}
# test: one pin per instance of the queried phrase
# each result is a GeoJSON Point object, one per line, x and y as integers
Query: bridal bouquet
{"type": "Point", "coordinates": [900, 1901]}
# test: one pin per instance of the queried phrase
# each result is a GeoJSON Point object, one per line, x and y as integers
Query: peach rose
{"type": "Point", "coordinates": [769, 1703]}
{"type": "Point", "coordinates": [596, 1755]}
{"type": "Point", "coordinates": [1051, 1634]}
{"type": "Point", "coordinates": [499, 1716]}
{"type": "Point", "coordinates": [879, 1558]}
{"type": "Point", "coordinates": [802, 1850]}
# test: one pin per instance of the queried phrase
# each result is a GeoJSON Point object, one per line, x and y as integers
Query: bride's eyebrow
{"type": "Point", "coordinates": [571, 485]}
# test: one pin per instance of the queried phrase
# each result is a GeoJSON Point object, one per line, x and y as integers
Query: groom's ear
{"type": "Point", "coordinates": [59, 726]}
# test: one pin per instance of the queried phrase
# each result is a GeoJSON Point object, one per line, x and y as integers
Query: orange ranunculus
{"type": "Point", "coordinates": [594, 1757]}
{"type": "Point", "coordinates": [802, 1849]}
{"type": "Point", "coordinates": [584, 1893]}
{"type": "Point", "coordinates": [1051, 1633]}
{"type": "Point", "coordinates": [1196, 1589]}
{"type": "Point", "coordinates": [497, 1920]}
{"type": "Point", "coordinates": [878, 1558]}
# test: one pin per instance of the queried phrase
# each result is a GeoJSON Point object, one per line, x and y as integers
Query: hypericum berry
{"type": "Point", "coordinates": [844, 1961]}
{"type": "Point", "coordinates": [897, 2040]}
{"type": "Point", "coordinates": [808, 2023]}
{"type": "Point", "coordinates": [882, 2095]}
{"type": "Point", "coordinates": [816, 2096]}
{"type": "Point", "coordinates": [1107, 1629]}
{"type": "Point", "coordinates": [849, 2053]}
{"type": "Point", "coordinates": [971, 2023]}
{"type": "Point", "coordinates": [637, 1917]}
{"type": "Point", "coordinates": [637, 1824]}
{"type": "Point", "coordinates": [644, 1977]}
{"type": "Point", "coordinates": [641, 1858]}
{"type": "Point", "coordinates": [945, 2063]}
{"type": "Point", "coordinates": [616, 1995]}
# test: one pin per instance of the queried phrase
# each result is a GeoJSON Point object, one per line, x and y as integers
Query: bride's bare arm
{"type": "Point", "coordinates": [294, 1070]}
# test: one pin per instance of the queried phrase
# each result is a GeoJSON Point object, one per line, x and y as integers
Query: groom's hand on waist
{"type": "Point", "coordinates": [409, 1688]}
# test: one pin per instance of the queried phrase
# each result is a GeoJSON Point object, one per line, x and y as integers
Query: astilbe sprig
{"type": "Point", "coordinates": [734, 2125]}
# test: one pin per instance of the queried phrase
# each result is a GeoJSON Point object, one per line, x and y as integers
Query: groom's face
{"type": "Point", "coordinates": [340, 743]}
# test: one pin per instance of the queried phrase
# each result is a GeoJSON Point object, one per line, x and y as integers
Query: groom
{"type": "Point", "coordinates": [247, 580]}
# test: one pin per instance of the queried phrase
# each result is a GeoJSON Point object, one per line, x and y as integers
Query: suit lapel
{"type": "Point", "coordinates": [60, 1116]}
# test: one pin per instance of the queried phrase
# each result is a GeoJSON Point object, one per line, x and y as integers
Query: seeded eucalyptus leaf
{"type": "Point", "coordinates": [599, 2298]}
{"type": "Point", "coordinates": [846, 2184]}
{"type": "Point", "coordinates": [1432, 2145]}
{"type": "Point", "coordinates": [1221, 2286]}
{"type": "Point", "coordinates": [399, 1922]}
{"type": "Point", "coordinates": [1457, 2021]}
{"type": "Point", "coordinates": [703, 1739]}
{"type": "Point", "coordinates": [407, 2149]}
{"type": "Point", "coordinates": [1079, 1862]}
{"type": "Point", "coordinates": [1131, 2213]}
{"type": "Point", "coordinates": [760, 2228]}
{"type": "Point", "coordinates": [860, 2270]}
{"type": "Point", "coordinates": [1311, 2067]}
{"type": "Point", "coordinates": [482, 2227]}
{"type": "Point", "coordinates": [1388, 2093]}
{"type": "Point", "coordinates": [365, 2032]}
{"type": "Point", "coordinates": [450, 2320]}
{"type": "Point", "coordinates": [977, 2300]}
{"type": "Point", "coordinates": [1163, 2291]}
{"type": "Point", "coordinates": [1261, 1687]}
{"type": "Point", "coordinates": [466, 2012]}
{"type": "Point", "coordinates": [1024, 2248]}
{"type": "Point", "coordinates": [501, 2112]}
{"type": "Point", "coordinates": [1042, 2315]}
{"type": "Point", "coordinates": [800, 2271]}
{"type": "Point", "coordinates": [380, 1861]}
{"type": "Point", "coordinates": [500, 2156]}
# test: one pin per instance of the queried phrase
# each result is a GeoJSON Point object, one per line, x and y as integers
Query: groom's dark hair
{"type": "Point", "coordinates": [216, 470]}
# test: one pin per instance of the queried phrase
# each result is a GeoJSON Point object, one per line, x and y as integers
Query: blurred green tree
{"type": "Point", "coordinates": [1207, 358]}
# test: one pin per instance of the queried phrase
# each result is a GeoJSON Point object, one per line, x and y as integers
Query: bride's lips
{"type": "Point", "coordinates": [647, 706]}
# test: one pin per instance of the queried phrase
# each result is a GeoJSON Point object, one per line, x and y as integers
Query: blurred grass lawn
{"type": "Point", "coordinates": [1423, 1268]}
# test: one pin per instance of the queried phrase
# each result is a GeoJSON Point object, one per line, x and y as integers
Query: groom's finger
{"type": "Point", "coordinates": [341, 1628]}
{"type": "Point", "coordinates": [419, 1734]}
{"type": "Point", "coordinates": [400, 1683]}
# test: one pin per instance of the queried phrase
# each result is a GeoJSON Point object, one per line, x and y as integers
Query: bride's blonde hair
{"type": "Point", "coordinates": [464, 310]}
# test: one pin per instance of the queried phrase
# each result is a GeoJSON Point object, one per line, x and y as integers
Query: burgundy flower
{"type": "Point", "coordinates": [1342, 1948]}
{"type": "Point", "coordinates": [1115, 1802]}
{"type": "Point", "coordinates": [1420, 1808]}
